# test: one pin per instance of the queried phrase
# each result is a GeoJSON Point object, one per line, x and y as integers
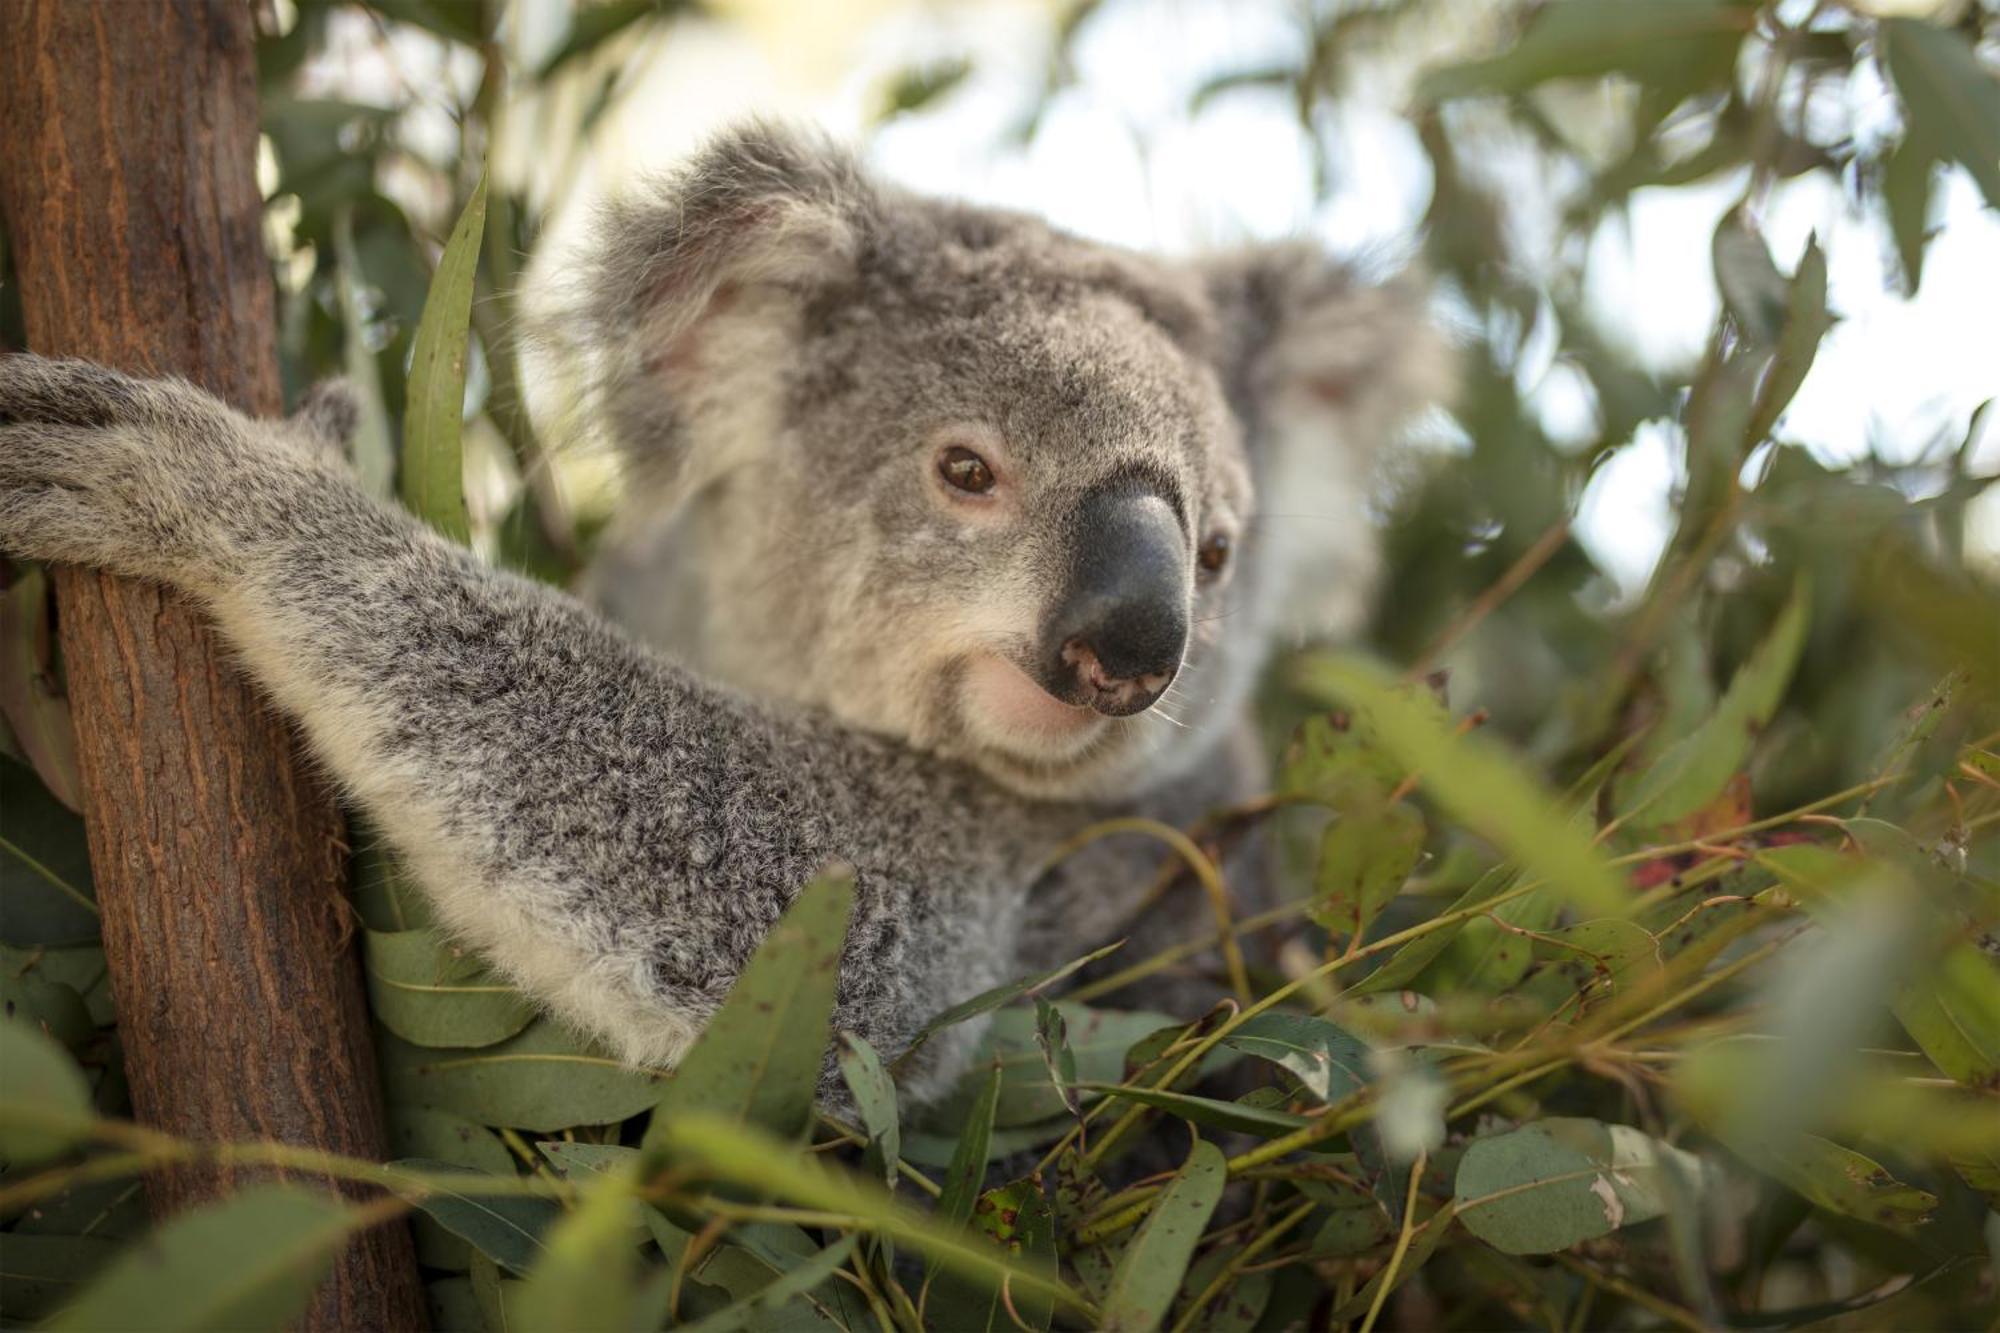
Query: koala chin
{"type": "Point", "coordinates": [945, 535]}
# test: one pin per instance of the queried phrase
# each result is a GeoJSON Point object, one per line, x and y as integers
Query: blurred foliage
{"type": "Point", "coordinates": [1658, 989]}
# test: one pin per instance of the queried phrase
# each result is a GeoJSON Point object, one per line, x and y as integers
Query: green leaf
{"type": "Point", "coordinates": [1365, 855]}
{"type": "Point", "coordinates": [433, 465]}
{"type": "Point", "coordinates": [1052, 1036]}
{"type": "Point", "coordinates": [434, 994]}
{"type": "Point", "coordinates": [760, 1057]}
{"type": "Point", "coordinates": [1408, 963]}
{"type": "Point", "coordinates": [1677, 46]}
{"type": "Point", "coordinates": [1806, 322]}
{"type": "Point", "coordinates": [987, 1001]}
{"type": "Point", "coordinates": [1951, 99]}
{"type": "Point", "coordinates": [588, 1278]}
{"type": "Point", "coordinates": [46, 895]}
{"type": "Point", "coordinates": [1242, 1117]}
{"type": "Point", "coordinates": [917, 87]}
{"type": "Point", "coordinates": [583, 1161]}
{"type": "Point", "coordinates": [1328, 1061]}
{"type": "Point", "coordinates": [1908, 176]}
{"type": "Point", "coordinates": [1423, 1244]}
{"type": "Point", "coordinates": [1838, 1179]}
{"type": "Point", "coordinates": [44, 1101]}
{"type": "Point", "coordinates": [510, 1229]}
{"type": "Point", "coordinates": [1751, 285]}
{"type": "Point", "coordinates": [1016, 1218]}
{"type": "Point", "coordinates": [1952, 1011]}
{"type": "Point", "coordinates": [248, 1262]}
{"type": "Point", "coordinates": [418, 1131]}
{"type": "Point", "coordinates": [1149, 1272]}
{"type": "Point", "coordinates": [959, 1189]}
{"type": "Point", "coordinates": [755, 1311]}
{"type": "Point", "coordinates": [48, 1005]}
{"type": "Point", "coordinates": [1548, 1185]}
{"type": "Point", "coordinates": [1479, 784]}
{"type": "Point", "coordinates": [540, 1080]}
{"type": "Point", "coordinates": [29, 701]}
{"type": "Point", "coordinates": [39, 1274]}
{"type": "Point", "coordinates": [591, 27]}
{"type": "Point", "coordinates": [1694, 772]}
{"type": "Point", "coordinates": [1098, 1040]}
{"type": "Point", "coordinates": [743, 1155]}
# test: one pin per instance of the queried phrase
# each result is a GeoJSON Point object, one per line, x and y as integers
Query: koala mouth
{"type": "Point", "coordinates": [1008, 710]}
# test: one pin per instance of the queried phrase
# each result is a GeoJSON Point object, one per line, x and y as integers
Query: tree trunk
{"type": "Point", "coordinates": [128, 144]}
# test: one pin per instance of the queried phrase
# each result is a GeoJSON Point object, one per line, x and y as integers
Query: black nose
{"type": "Point", "coordinates": [1115, 639]}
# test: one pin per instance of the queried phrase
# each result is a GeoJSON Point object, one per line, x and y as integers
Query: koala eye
{"type": "Point", "coordinates": [1214, 552]}
{"type": "Point", "coordinates": [965, 470]}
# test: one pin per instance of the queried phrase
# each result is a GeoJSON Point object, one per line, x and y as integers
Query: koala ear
{"type": "Point", "coordinates": [1321, 368]}
{"type": "Point", "coordinates": [1309, 350]}
{"type": "Point", "coordinates": [762, 203]}
{"type": "Point", "coordinates": [693, 288]}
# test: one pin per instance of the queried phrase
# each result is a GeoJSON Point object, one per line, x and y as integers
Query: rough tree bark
{"type": "Point", "coordinates": [128, 143]}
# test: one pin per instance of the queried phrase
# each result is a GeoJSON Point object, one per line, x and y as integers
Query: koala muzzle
{"type": "Point", "coordinates": [1115, 639]}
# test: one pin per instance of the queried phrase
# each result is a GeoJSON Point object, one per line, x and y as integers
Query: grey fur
{"type": "Point", "coordinates": [777, 344]}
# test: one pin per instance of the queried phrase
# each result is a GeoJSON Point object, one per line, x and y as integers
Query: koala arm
{"type": "Point", "coordinates": [611, 832]}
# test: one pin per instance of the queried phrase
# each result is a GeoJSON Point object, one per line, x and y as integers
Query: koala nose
{"type": "Point", "coordinates": [1118, 634]}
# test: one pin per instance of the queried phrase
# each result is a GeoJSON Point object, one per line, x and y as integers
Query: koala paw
{"type": "Point", "coordinates": [144, 477]}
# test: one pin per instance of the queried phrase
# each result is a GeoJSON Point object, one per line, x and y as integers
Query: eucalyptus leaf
{"type": "Point", "coordinates": [874, 1094]}
{"type": "Point", "coordinates": [432, 476]}
{"type": "Point", "coordinates": [1242, 1117]}
{"type": "Point", "coordinates": [588, 1277]}
{"type": "Point", "coordinates": [430, 992]}
{"type": "Point", "coordinates": [999, 996]}
{"type": "Point", "coordinates": [248, 1262]}
{"type": "Point", "coordinates": [1478, 783]}
{"type": "Point", "coordinates": [510, 1229]}
{"type": "Point", "coordinates": [44, 1101]}
{"type": "Point", "coordinates": [1016, 1218]}
{"type": "Point", "coordinates": [41, 1273]}
{"type": "Point", "coordinates": [1148, 1273]}
{"type": "Point", "coordinates": [1952, 100]}
{"type": "Point", "coordinates": [1696, 770]}
{"type": "Point", "coordinates": [1548, 1185]}
{"type": "Point", "coordinates": [541, 1079]}
{"type": "Point", "coordinates": [1676, 45]}
{"type": "Point", "coordinates": [761, 1056]}
{"type": "Point", "coordinates": [46, 893]}
{"type": "Point", "coordinates": [1365, 855]}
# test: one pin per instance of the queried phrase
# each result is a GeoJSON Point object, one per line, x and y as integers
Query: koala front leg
{"type": "Point", "coordinates": [614, 834]}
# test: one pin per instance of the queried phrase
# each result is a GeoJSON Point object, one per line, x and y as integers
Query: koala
{"type": "Point", "coordinates": [946, 535]}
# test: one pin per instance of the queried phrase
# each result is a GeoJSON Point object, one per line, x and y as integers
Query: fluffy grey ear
{"type": "Point", "coordinates": [694, 285]}
{"type": "Point", "coordinates": [1308, 348]}
{"type": "Point", "coordinates": [1322, 368]}
{"type": "Point", "coordinates": [761, 203]}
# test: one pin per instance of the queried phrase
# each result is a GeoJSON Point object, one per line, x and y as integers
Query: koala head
{"type": "Point", "coordinates": [962, 480]}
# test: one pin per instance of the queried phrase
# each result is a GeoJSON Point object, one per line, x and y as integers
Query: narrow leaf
{"type": "Point", "coordinates": [1149, 1272]}
{"type": "Point", "coordinates": [1952, 100]}
{"type": "Point", "coordinates": [1479, 784]}
{"type": "Point", "coordinates": [874, 1094]}
{"type": "Point", "coordinates": [761, 1056]}
{"type": "Point", "coordinates": [987, 1001]}
{"type": "Point", "coordinates": [433, 465]}
{"type": "Point", "coordinates": [44, 1102]}
{"type": "Point", "coordinates": [249, 1262]}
